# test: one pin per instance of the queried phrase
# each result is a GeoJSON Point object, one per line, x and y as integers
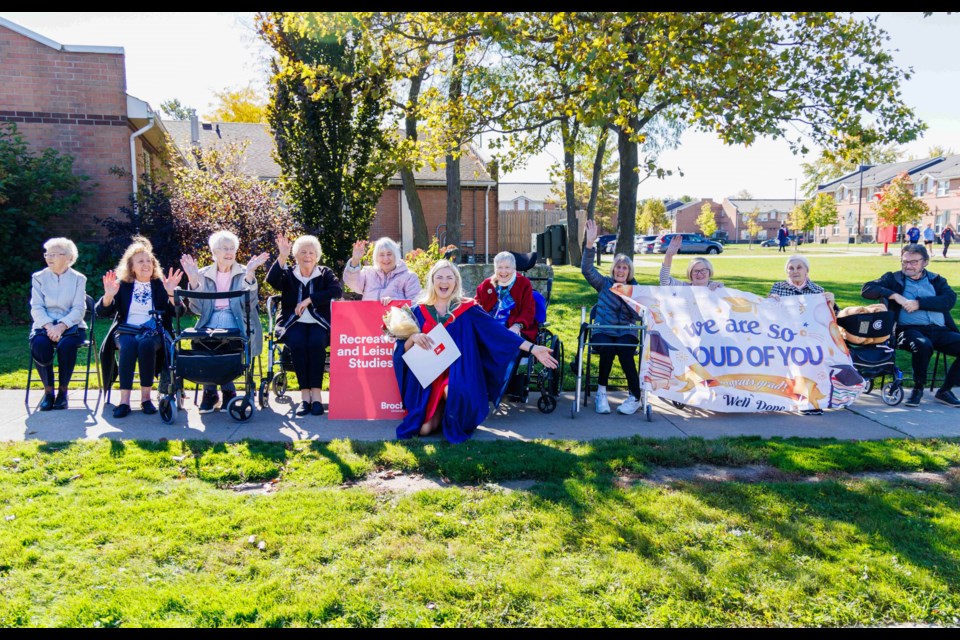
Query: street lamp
{"type": "Point", "coordinates": [859, 200]}
{"type": "Point", "coordinates": [794, 192]}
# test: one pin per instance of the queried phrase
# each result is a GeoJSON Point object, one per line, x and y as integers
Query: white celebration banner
{"type": "Point", "coordinates": [733, 351]}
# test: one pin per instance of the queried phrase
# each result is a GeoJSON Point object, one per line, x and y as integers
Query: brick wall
{"type": "Point", "coordinates": [434, 201]}
{"type": "Point", "coordinates": [74, 103]}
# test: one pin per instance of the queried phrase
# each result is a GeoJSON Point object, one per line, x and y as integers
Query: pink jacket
{"type": "Point", "coordinates": [399, 284]}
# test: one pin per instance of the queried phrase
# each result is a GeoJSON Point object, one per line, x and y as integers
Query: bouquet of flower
{"type": "Point", "coordinates": [400, 323]}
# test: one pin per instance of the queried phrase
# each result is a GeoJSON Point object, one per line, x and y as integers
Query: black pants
{"type": "Point", "coordinates": [946, 245]}
{"type": "Point", "coordinates": [132, 352]}
{"type": "Point", "coordinates": [308, 350]}
{"type": "Point", "coordinates": [922, 341]}
{"type": "Point", "coordinates": [43, 349]}
{"type": "Point", "coordinates": [623, 347]}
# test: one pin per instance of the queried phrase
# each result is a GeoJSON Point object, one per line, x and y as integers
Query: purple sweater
{"type": "Point", "coordinates": [399, 284]}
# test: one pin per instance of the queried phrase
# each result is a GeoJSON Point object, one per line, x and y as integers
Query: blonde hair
{"type": "Point", "coordinates": [125, 266]}
{"type": "Point", "coordinates": [302, 240]}
{"type": "Point", "coordinates": [624, 258]}
{"type": "Point", "coordinates": [693, 264]}
{"type": "Point", "coordinates": [429, 294]}
{"type": "Point", "coordinates": [64, 244]}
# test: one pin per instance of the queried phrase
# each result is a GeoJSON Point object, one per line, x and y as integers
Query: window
{"type": "Point", "coordinates": [836, 229]}
{"type": "Point", "coordinates": [942, 186]}
{"type": "Point", "coordinates": [920, 188]}
{"type": "Point", "coordinates": [849, 195]}
{"type": "Point", "coordinates": [871, 192]}
{"type": "Point", "coordinates": [839, 195]}
{"type": "Point", "coordinates": [868, 226]}
{"type": "Point", "coordinates": [762, 217]}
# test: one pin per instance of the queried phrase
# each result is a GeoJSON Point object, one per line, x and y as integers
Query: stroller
{"type": "Point", "coordinates": [529, 372]}
{"type": "Point", "coordinates": [216, 356]}
{"type": "Point", "coordinates": [869, 336]}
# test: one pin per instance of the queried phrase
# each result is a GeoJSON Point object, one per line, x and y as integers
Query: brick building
{"type": "Point", "coordinates": [771, 214]}
{"type": "Point", "coordinates": [935, 180]}
{"type": "Point", "coordinates": [479, 213]}
{"type": "Point", "coordinates": [684, 218]}
{"type": "Point", "coordinates": [73, 99]}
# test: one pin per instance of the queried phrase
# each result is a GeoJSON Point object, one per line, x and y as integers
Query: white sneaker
{"type": "Point", "coordinates": [601, 404]}
{"type": "Point", "coordinates": [629, 406]}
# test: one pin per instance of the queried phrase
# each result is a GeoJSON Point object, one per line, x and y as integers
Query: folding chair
{"type": "Point", "coordinates": [93, 356]}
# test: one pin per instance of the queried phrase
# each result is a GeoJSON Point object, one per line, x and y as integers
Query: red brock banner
{"type": "Point", "coordinates": [363, 385]}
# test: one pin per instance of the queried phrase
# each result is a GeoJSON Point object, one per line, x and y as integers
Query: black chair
{"type": "Point", "coordinates": [93, 356]}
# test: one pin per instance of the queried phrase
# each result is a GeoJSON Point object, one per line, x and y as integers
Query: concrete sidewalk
{"type": "Point", "coordinates": [868, 419]}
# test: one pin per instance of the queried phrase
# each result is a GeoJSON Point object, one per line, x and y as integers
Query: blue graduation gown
{"type": "Point", "coordinates": [487, 354]}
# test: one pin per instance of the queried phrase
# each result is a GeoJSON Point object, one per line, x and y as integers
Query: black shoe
{"type": "Point", "coordinates": [304, 409]}
{"type": "Point", "coordinates": [946, 397]}
{"type": "Point", "coordinates": [121, 411]}
{"type": "Point", "coordinates": [227, 397]}
{"type": "Point", "coordinates": [208, 403]}
{"type": "Point", "coordinates": [317, 409]}
{"type": "Point", "coordinates": [61, 401]}
{"type": "Point", "coordinates": [47, 403]}
{"type": "Point", "coordinates": [914, 399]}
{"type": "Point", "coordinates": [148, 408]}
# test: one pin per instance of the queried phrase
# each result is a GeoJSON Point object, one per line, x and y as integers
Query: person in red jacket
{"type": "Point", "coordinates": [508, 296]}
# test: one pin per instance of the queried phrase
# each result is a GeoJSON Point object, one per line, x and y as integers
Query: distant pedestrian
{"type": "Point", "coordinates": [913, 235]}
{"type": "Point", "coordinates": [783, 238]}
{"type": "Point", "coordinates": [928, 236]}
{"type": "Point", "coordinates": [947, 235]}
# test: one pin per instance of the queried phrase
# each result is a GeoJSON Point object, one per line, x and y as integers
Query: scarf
{"type": "Point", "coordinates": [505, 302]}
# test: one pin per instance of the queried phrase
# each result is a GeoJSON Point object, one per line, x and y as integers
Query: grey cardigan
{"type": "Point", "coordinates": [205, 308]}
{"type": "Point", "coordinates": [56, 298]}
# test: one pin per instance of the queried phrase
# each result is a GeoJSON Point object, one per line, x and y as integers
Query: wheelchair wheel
{"type": "Point", "coordinates": [648, 411]}
{"type": "Point", "coordinates": [240, 408]}
{"type": "Point", "coordinates": [264, 394]}
{"type": "Point", "coordinates": [280, 384]}
{"type": "Point", "coordinates": [546, 404]}
{"type": "Point", "coordinates": [892, 394]}
{"type": "Point", "coordinates": [167, 409]}
{"type": "Point", "coordinates": [868, 385]}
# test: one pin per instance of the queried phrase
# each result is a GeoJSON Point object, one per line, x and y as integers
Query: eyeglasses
{"type": "Point", "coordinates": [910, 263]}
{"type": "Point", "coordinates": [699, 272]}
{"type": "Point", "coordinates": [54, 255]}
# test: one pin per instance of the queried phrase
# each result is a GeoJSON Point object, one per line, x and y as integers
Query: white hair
{"type": "Point", "coordinates": [388, 244]}
{"type": "Point", "coordinates": [222, 236]}
{"type": "Point", "coordinates": [302, 240]}
{"type": "Point", "coordinates": [64, 244]}
{"type": "Point", "coordinates": [505, 256]}
{"type": "Point", "coordinates": [798, 258]}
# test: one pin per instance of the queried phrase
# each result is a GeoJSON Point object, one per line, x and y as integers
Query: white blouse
{"type": "Point", "coordinates": [141, 303]}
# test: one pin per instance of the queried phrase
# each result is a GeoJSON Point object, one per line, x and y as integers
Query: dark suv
{"type": "Point", "coordinates": [692, 243]}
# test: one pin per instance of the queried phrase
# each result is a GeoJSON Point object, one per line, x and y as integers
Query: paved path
{"type": "Point", "coordinates": [869, 419]}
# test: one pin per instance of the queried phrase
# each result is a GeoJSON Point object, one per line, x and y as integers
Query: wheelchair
{"type": "Point", "coordinates": [529, 373]}
{"type": "Point", "coordinates": [585, 347]}
{"type": "Point", "coordinates": [93, 356]}
{"type": "Point", "coordinates": [216, 356]}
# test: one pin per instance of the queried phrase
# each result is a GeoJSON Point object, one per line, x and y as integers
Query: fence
{"type": "Point", "coordinates": [517, 227]}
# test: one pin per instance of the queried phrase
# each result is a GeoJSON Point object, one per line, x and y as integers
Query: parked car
{"type": "Point", "coordinates": [604, 242]}
{"type": "Point", "coordinates": [645, 244]}
{"type": "Point", "coordinates": [773, 242]}
{"type": "Point", "coordinates": [692, 243]}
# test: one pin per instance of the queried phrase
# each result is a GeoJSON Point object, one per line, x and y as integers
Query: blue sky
{"type": "Point", "coordinates": [190, 56]}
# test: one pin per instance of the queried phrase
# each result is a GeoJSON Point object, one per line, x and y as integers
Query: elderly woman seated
{"type": "Point", "coordinates": [388, 279]}
{"type": "Point", "coordinates": [612, 311]}
{"type": "Point", "coordinates": [699, 271]}
{"type": "Point", "coordinates": [225, 274]}
{"type": "Point", "coordinates": [130, 293]}
{"type": "Point", "coordinates": [58, 297]}
{"type": "Point", "coordinates": [508, 297]}
{"type": "Point", "coordinates": [306, 291]}
{"type": "Point", "coordinates": [798, 282]}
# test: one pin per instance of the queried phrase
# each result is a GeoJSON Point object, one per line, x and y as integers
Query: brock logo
{"type": "Point", "coordinates": [877, 324]}
{"type": "Point", "coordinates": [439, 349]}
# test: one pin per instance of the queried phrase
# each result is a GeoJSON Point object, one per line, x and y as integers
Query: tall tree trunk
{"type": "Point", "coordinates": [629, 181]}
{"type": "Point", "coordinates": [569, 128]}
{"type": "Point", "coordinates": [597, 170]}
{"type": "Point", "coordinates": [421, 237]}
{"type": "Point", "coordinates": [454, 197]}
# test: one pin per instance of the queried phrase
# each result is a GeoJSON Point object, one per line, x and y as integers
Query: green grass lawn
{"type": "Point", "coordinates": [108, 533]}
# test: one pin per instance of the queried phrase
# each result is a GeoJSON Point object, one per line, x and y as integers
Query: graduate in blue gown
{"type": "Point", "coordinates": [458, 400]}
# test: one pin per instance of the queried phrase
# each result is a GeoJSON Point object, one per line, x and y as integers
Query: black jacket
{"type": "Point", "coordinates": [895, 282]}
{"type": "Point", "coordinates": [119, 309]}
{"type": "Point", "coordinates": [322, 289]}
